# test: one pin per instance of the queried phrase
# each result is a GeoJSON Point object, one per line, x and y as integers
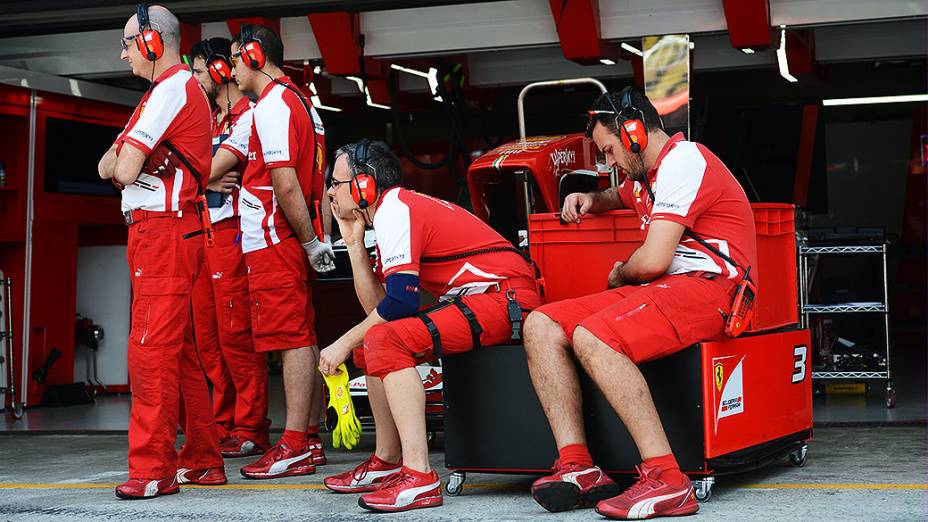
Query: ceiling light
{"type": "Point", "coordinates": [631, 49]}
{"type": "Point", "coordinates": [904, 98]}
{"type": "Point", "coordinates": [781, 57]}
{"type": "Point", "coordinates": [606, 61]}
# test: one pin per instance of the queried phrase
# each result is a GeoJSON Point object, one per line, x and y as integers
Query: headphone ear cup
{"type": "Point", "coordinates": [150, 44]}
{"type": "Point", "coordinates": [220, 71]}
{"type": "Point", "coordinates": [634, 137]}
{"type": "Point", "coordinates": [363, 190]}
{"type": "Point", "coordinates": [254, 54]}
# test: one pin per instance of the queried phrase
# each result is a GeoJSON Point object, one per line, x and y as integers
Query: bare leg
{"type": "Point", "coordinates": [388, 439]}
{"type": "Point", "coordinates": [554, 375]}
{"type": "Point", "coordinates": [315, 400]}
{"type": "Point", "coordinates": [626, 390]}
{"type": "Point", "coordinates": [299, 378]}
{"type": "Point", "coordinates": [406, 397]}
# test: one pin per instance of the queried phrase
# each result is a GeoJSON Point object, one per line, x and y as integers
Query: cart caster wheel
{"type": "Point", "coordinates": [455, 483]}
{"type": "Point", "coordinates": [703, 488]}
{"type": "Point", "coordinates": [18, 411]}
{"type": "Point", "coordinates": [798, 457]}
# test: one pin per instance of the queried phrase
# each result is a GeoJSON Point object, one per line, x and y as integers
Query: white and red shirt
{"type": "Point", "coordinates": [283, 134]}
{"type": "Point", "coordinates": [410, 226]}
{"type": "Point", "coordinates": [232, 134]}
{"type": "Point", "coordinates": [175, 110]}
{"type": "Point", "coordinates": [693, 187]}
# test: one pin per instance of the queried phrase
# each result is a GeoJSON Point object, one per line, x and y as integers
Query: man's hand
{"type": "Point", "coordinates": [226, 184]}
{"type": "Point", "coordinates": [331, 357]}
{"type": "Point", "coordinates": [576, 205]}
{"type": "Point", "coordinates": [352, 229]}
{"type": "Point", "coordinates": [615, 276]}
{"type": "Point", "coordinates": [161, 163]}
{"type": "Point", "coordinates": [320, 255]}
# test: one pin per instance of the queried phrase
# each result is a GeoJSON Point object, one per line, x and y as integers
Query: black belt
{"type": "Point", "coordinates": [514, 310]}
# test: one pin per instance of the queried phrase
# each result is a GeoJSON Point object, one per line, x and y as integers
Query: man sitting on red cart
{"type": "Point", "coordinates": [483, 284]}
{"type": "Point", "coordinates": [672, 292]}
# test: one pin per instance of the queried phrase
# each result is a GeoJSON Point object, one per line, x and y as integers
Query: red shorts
{"type": "Point", "coordinates": [282, 312]}
{"type": "Point", "coordinates": [650, 321]}
{"type": "Point", "coordinates": [400, 344]}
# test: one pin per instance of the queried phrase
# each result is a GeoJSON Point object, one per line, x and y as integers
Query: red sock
{"type": "Point", "coordinates": [294, 439]}
{"type": "Point", "coordinates": [670, 470]}
{"type": "Point", "coordinates": [575, 454]}
{"type": "Point", "coordinates": [312, 432]}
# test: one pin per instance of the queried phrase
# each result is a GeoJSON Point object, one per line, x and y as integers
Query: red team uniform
{"type": "Point", "coordinates": [435, 238]}
{"type": "Point", "coordinates": [283, 134]}
{"type": "Point", "coordinates": [160, 211]}
{"type": "Point", "coordinates": [693, 188]}
{"type": "Point", "coordinates": [222, 311]}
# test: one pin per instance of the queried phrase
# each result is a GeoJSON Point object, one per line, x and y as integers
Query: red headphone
{"type": "Point", "coordinates": [217, 65]}
{"type": "Point", "coordinates": [148, 41]}
{"type": "Point", "coordinates": [251, 48]}
{"type": "Point", "coordinates": [632, 130]}
{"type": "Point", "coordinates": [363, 184]}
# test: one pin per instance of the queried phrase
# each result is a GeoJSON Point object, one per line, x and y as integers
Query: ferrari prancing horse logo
{"type": "Point", "coordinates": [719, 375]}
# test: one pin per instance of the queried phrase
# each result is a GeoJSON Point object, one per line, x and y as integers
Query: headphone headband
{"type": "Point", "coordinates": [142, 14]}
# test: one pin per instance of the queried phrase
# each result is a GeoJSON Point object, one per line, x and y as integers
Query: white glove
{"type": "Point", "coordinates": [320, 254]}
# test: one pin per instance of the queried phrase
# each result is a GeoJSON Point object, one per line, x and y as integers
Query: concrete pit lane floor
{"type": "Point", "coordinates": [851, 473]}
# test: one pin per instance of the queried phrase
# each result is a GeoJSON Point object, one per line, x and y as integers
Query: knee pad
{"type": "Point", "coordinates": [385, 351]}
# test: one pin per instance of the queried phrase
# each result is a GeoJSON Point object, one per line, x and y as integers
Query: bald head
{"type": "Point", "coordinates": [161, 20]}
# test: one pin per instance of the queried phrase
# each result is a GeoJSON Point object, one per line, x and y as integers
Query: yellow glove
{"type": "Point", "coordinates": [348, 428]}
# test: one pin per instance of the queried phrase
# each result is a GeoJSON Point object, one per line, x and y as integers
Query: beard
{"type": "Point", "coordinates": [636, 170]}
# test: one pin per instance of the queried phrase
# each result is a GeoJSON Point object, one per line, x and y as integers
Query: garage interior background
{"type": "Point", "coordinates": [856, 171]}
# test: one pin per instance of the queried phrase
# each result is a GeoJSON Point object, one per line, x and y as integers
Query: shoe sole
{"type": "Point", "coordinates": [676, 512]}
{"type": "Point", "coordinates": [159, 494]}
{"type": "Point", "coordinates": [320, 461]}
{"type": "Point", "coordinates": [564, 496]}
{"type": "Point", "coordinates": [237, 455]}
{"type": "Point", "coordinates": [288, 473]}
{"type": "Point", "coordinates": [422, 503]}
{"type": "Point", "coordinates": [205, 483]}
{"type": "Point", "coordinates": [352, 489]}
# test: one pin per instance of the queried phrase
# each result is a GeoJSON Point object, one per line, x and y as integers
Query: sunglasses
{"type": "Point", "coordinates": [126, 40]}
{"type": "Point", "coordinates": [335, 182]}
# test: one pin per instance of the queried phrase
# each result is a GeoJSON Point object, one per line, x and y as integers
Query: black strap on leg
{"type": "Point", "coordinates": [423, 315]}
{"type": "Point", "coordinates": [433, 331]}
{"type": "Point", "coordinates": [515, 315]}
{"type": "Point", "coordinates": [475, 329]}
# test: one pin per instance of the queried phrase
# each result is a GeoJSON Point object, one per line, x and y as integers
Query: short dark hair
{"type": "Point", "coordinates": [270, 42]}
{"type": "Point", "coordinates": [219, 47]}
{"type": "Point", "coordinates": [652, 119]}
{"type": "Point", "coordinates": [380, 158]}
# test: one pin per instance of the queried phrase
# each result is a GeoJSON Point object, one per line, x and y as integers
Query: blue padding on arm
{"type": "Point", "coordinates": [402, 299]}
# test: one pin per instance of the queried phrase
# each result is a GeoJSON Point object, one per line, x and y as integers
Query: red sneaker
{"type": "Point", "coordinates": [204, 477]}
{"type": "Point", "coordinates": [281, 461]}
{"type": "Point", "coordinates": [234, 447]}
{"type": "Point", "coordinates": [572, 486]}
{"type": "Point", "coordinates": [318, 451]}
{"type": "Point", "coordinates": [403, 491]}
{"type": "Point", "coordinates": [651, 497]}
{"type": "Point", "coordinates": [367, 476]}
{"type": "Point", "coordinates": [139, 489]}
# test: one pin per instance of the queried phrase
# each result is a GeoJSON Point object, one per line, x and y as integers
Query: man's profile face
{"type": "Point", "coordinates": [616, 154]}
{"type": "Point", "coordinates": [198, 68]}
{"type": "Point", "coordinates": [130, 52]}
{"type": "Point", "coordinates": [340, 190]}
{"type": "Point", "coordinates": [241, 74]}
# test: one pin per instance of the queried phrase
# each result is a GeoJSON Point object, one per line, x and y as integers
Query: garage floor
{"type": "Point", "coordinates": [861, 473]}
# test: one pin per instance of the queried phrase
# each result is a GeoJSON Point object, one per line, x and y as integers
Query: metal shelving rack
{"type": "Point", "coordinates": [807, 309]}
